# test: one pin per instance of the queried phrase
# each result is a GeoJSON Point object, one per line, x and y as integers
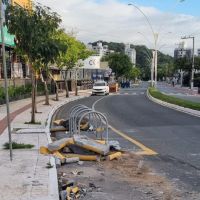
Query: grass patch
{"type": "Point", "coordinates": [49, 166]}
{"type": "Point", "coordinates": [16, 145]}
{"type": "Point", "coordinates": [173, 100]}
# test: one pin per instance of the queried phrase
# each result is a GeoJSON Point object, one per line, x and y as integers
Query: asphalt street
{"type": "Point", "coordinates": [175, 136]}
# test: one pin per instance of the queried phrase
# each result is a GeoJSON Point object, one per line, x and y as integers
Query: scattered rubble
{"type": "Point", "coordinates": [90, 150]}
{"type": "Point", "coordinates": [77, 147]}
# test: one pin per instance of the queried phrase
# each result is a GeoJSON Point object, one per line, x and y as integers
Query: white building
{"type": "Point", "coordinates": [100, 49]}
{"type": "Point", "coordinates": [198, 52]}
{"type": "Point", "coordinates": [181, 51]}
{"type": "Point", "coordinates": [131, 53]}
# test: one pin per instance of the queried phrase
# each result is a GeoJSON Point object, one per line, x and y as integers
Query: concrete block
{"type": "Point", "coordinates": [114, 156]}
{"type": "Point", "coordinates": [82, 157]}
{"type": "Point", "coordinates": [72, 160]}
{"type": "Point", "coordinates": [59, 144]}
{"type": "Point", "coordinates": [90, 144]}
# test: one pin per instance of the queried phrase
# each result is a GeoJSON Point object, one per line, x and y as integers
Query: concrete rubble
{"type": "Point", "coordinates": [76, 150]}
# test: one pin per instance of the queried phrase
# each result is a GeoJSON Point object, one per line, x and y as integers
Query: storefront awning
{"type": "Point", "coordinates": [9, 39]}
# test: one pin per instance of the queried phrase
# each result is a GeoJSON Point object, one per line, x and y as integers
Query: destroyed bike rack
{"type": "Point", "coordinates": [96, 120]}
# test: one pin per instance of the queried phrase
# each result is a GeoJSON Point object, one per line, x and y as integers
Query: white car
{"type": "Point", "coordinates": [100, 88]}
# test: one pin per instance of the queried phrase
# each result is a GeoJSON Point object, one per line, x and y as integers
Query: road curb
{"type": "Point", "coordinates": [189, 111]}
{"type": "Point", "coordinates": [53, 179]}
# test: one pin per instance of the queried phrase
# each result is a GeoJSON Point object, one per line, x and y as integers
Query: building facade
{"type": "Point", "coordinates": [16, 67]}
{"type": "Point", "coordinates": [181, 51]}
{"type": "Point", "coordinates": [100, 49]}
{"type": "Point", "coordinates": [131, 53]}
{"type": "Point", "coordinates": [22, 3]}
{"type": "Point", "coordinates": [198, 52]}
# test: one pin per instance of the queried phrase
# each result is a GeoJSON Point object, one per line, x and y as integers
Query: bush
{"type": "Point", "coordinates": [21, 92]}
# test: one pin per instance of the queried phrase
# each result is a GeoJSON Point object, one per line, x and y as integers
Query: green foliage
{"type": "Point", "coordinates": [20, 92]}
{"type": "Point", "coordinates": [134, 73]}
{"type": "Point", "coordinates": [16, 145]}
{"type": "Point", "coordinates": [120, 64]}
{"type": "Point", "coordinates": [76, 50]}
{"type": "Point", "coordinates": [117, 47]}
{"type": "Point", "coordinates": [33, 30]}
{"type": "Point", "coordinates": [173, 100]}
{"type": "Point", "coordinates": [183, 63]}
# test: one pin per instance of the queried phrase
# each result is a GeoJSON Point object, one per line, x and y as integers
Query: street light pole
{"type": "Point", "coordinates": [155, 37]}
{"type": "Point", "coordinates": [192, 72]}
{"type": "Point", "coordinates": [5, 81]}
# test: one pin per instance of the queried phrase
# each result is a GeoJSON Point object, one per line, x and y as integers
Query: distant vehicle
{"type": "Point", "coordinates": [100, 88]}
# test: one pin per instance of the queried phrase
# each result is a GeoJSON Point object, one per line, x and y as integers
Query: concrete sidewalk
{"type": "Point", "coordinates": [27, 176]}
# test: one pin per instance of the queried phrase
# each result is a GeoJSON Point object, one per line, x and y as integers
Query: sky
{"type": "Point", "coordinates": [114, 20]}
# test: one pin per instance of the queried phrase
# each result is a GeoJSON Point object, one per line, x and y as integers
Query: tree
{"type": "Point", "coordinates": [134, 74]}
{"type": "Point", "coordinates": [120, 64]}
{"type": "Point", "coordinates": [33, 31]}
{"type": "Point", "coordinates": [69, 59]}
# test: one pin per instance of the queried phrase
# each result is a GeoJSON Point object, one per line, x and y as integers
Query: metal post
{"type": "Point", "coordinates": [76, 87]}
{"type": "Point", "coordinates": [6, 82]}
{"type": "Point", "coordinates": [181, 71]}
{"type": "Point", "coordinates": [192, 70]}
{"type": "Point", "coordinates": [192, 76]}
{"type": "Point", "coordinates": [156, 66]}
{"type": "Point", "coordinates": [152, 68]}
{"type": "Point", "coordinates": [155, 37]}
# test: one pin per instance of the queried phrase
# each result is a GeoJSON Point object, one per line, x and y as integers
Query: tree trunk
{"type": "Point", "coordinates": [36, 111]}
{"type": "Point", "coordinates": [57, 97]}
{"type": "Point", "coordinates": [66, 88]}
{"type": "Point", "coordinates": [46, 93]}
{"type": "Point", "coordinates": [33, 97]}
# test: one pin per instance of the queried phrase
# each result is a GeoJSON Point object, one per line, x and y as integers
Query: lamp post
{"type": "Point", "coordinates": [155, 51]}
{"type": "Point", "coordinates": [192, 72]}
{"type": "Point", "coordinates": [5, 81]}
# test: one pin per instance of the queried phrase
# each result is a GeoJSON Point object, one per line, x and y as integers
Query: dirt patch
{"type": "Point", "coordinates": [127, 178]}
{"type": "Point", "coordinates": [134, 170]}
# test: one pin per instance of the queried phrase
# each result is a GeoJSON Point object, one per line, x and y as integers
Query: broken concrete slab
{"type": "Point", "coordinates": [57, 129]}
{"type": "Point", "coordinates": [114, 145]}
{"type": "Point", "coordinates": [80, 150]}
{"type": "Point", "coordinates": [72, 160]}
{"type": "Point", "coordinates": [115, 155]}
{"type": "Point", "coordinates": [90, 144]}
{"type": "Point", "coordinates": [82, 157]}
{"type": "Point", "coordinates": [59, 144]}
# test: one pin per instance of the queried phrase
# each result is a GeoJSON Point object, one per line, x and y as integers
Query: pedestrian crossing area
{"type": "Point", "coordinates": [128, 93]}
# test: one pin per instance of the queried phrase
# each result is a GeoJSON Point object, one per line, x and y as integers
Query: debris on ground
{"type": "Point", "coordinates": [65, 124]}
{"type": "Point", "coordinates": [81, 148]}
{"type": "Point", "coordinates": [83, 140]}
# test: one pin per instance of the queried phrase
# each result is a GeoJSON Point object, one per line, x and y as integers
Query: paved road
{"type": "Point", "coordinates": [175, 136]}
{"type": "Point", "coordinates": [177, 91]}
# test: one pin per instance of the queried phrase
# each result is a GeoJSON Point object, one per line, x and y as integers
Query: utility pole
{"type": "Point", "coordinates": [5, 80]}
{"type": "Point", "coordinates": [152, 68]}
{"type": "Point", "coordinates": [192, 72]}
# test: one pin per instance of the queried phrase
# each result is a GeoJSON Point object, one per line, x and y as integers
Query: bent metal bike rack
{"type": "Point", "coordinates": [96, 120]}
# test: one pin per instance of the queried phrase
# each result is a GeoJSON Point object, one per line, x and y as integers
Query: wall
{"type": "Point", "coordinates": [22, 3]}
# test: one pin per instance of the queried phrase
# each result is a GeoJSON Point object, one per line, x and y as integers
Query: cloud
{"type": "Point", "coordinates": [112, 20]}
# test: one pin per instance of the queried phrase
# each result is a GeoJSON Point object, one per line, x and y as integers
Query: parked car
{"type": "Point", "coordinates": [100, 88]}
